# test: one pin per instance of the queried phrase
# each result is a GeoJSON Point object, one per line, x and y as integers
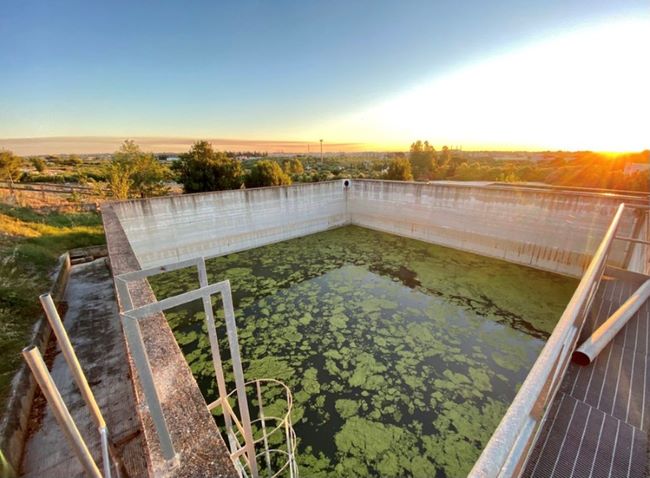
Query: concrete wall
{"type": "Point", "coordinates": [549, 230]}
{"type": "Point", "coordinates": [552, 230]}
{"type": "Point", "coordinates": [546, 229]}
{"type": "Point", "coordinates": [170, 229]}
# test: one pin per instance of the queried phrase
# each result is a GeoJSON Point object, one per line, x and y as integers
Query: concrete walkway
{"type": "Point", "coordinates": [94, 329]}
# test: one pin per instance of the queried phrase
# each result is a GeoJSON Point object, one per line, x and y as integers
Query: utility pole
{"type": "Point", "coordinates": [321, 151]}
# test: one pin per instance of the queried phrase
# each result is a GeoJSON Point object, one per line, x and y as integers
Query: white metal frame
{"type": "Point", "coordinates": [244, 456]}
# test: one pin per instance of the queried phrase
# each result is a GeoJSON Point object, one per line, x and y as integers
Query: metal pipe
{"type": "Point", "coordinates": [123, 294]}
{"type": "Point", "coordinates": [267, 455]}
{"type": "Point", "coordinates": [631, 239]}
{"type": "Point", "coordinates": [240, 384]}
{"type": "Point", "coordinates": [70, 356]}
{"type": "Point", "coordinates": [44, 379]}
{"type": "Point", "coordinates": [216, 352]}
{"type": "Point", "coordinates": [106, 462]}
{"type": "Point", "coordinates": [591, 347]}
{"type": "Point", "coordinates": [71, 359]}
{"type": "Point", "coordinates": [139, 354]}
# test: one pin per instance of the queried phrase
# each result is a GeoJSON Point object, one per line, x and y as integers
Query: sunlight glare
{"type": "Point", "coordinates": [588, 89]}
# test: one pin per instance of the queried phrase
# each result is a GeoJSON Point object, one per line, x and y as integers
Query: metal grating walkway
{"type": "Point", "coordinates": [598, 422]}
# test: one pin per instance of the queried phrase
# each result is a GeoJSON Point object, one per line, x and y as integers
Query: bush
{"type": "Point", "coordinates": [267, 173]}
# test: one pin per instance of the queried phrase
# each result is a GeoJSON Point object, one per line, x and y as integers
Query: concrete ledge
{"type": "Point", "coordinates": [195, 435]}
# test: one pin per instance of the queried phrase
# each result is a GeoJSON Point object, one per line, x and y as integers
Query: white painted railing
{"type": "Point", "coordinates": [509, 447]}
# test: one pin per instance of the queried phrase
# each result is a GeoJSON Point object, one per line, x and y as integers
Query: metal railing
{"type": "Point", "coordinates": [509, 447]}
{"type": "Point", "coordinates": [276, 460]}
{"type": "Point", "coordinates": [34, 359]}
{"type": "Point", "coordinates": [244, 456]}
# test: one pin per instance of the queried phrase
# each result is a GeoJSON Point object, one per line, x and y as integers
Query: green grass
{"type": "Point", "coordinates": [31, 241]}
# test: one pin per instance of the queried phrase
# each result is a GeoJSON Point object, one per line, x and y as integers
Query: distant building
{"type": "Point", "coordinates": [636, 168]}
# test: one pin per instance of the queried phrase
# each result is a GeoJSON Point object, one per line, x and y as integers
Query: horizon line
{"type": "Point", "coordinates": [41, 145]}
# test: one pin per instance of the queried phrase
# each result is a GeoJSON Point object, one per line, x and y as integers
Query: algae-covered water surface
{"type": "Point", "coordinates": [402, 356]}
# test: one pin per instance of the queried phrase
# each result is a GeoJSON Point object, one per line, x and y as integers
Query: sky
{"type": "Point", "coordinates": [375, 75]}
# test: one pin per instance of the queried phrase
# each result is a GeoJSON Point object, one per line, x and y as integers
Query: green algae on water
{"type": "Point", "coordinates": [402, 356]}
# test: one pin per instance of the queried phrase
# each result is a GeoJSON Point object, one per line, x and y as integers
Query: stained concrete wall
{"type": "Point", "coordinates": [174, 228]}
{"type": "Point", "coordinates": [550, 230]}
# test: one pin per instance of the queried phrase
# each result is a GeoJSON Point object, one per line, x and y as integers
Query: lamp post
{"type": "Point", "coordinates": [321, 151]}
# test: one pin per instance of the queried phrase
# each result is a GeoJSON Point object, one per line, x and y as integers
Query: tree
{"type": "Point", "coordinates": [74, 160]}
{"type": "Point", "coordinates": [203, 169]}
{"type": "Point", "coordinates": [39, 164]}
{"type": "Point", "coordinates": [445, 155]}
{"type": "Point", "coordinates": [267, 173]}
{"type": "Point", "coordinates": [399, 169]}
{"type": "Point", "coordinates": [119, 179]}
{"type": "Point", "coordinates": [422, 158]}
{"type": "Point", "coordinates": [10, 165]}
{"type": "Point", "coordinates": [133, 173]}
{"type": "Point", "coordinates": [293, 166]}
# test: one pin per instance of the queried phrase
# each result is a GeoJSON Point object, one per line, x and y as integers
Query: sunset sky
{"type": "Point", "coordinates": [361, 75]}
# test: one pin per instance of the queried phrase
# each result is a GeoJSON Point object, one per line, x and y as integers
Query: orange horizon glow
{"type": "Point", "coordinates": [161, 144]}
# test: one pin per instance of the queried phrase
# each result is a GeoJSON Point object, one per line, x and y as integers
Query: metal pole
{"type": "Point", "coordinates": [216, 353]}
{"type": "Point", "coordinates": [639, 215]}
{"type": "Point", "coordinates": [240, 385]}
{"type": "Point", "coordinates": [139, 354]}
{"type": "Point", "coordinates": [591, 347]}
{"type": "Point", "coordinates": [79, 377]}
{"type": "Point", "coordinates": [106, 462]}
{"type": "Point", "coordinates": [71, 358]}
{"type": "Point", "coordinates": [267, 455]}
{"type": "Point", "coordinates": [44, 379]}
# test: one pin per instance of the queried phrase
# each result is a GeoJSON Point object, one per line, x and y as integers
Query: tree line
{"type": "Point", "coordinates": [577, 169]}
{"type": "Point", "coordinates": [132, 172]}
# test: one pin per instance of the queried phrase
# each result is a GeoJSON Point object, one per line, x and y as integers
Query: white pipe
{"type": "Point", "coordinates": [71, 358]}
{"type": "Point", "coordinates": [238, 370]}
{"type": "Point", "coordinates": [70, 430]}
{"type": "Point", "coordinates": [591, 347]}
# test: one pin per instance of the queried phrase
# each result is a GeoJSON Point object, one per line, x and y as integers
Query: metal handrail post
{"type": "Point", "coordinates": [141, 360]}
{"type": "Point", "coordinates": [44, 379]}
{"type": "Point", "coordinates": [214, 348]}
{"type": "Point", "coordinates": [267, 455]}
{"type": "Point", "coordinates": [240, 384]}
